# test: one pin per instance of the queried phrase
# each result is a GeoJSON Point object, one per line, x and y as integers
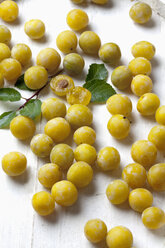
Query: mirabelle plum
{"type": "Point", "coordinates": [9, 11]}
{"type": "Point", "coordinates": [117, 192]}
{"type": "Point", "coordinates": [119, 126]}
{"type": "Point", "coordinates": [62, 155]}
{"type": "Point", "coordinates": [135, 175]}
{"type": "Point", "coordinates": [61, 84]}
{"type": "Point", "coordinates": [78, 95]}
{"type": "Point", "coordinates": [141, 84]}
{"type": "Point", "coordinates": [4, 51]}
{"type": "Point", "coordinates": [35, 29]}
{"type": "Point", "coordinates": [5, 34]}
{"type": "Point", "coordinates": [143, 49]}
{"type": "Point", "coordinates": [79, 115]}
{"type": "Point", "coordinates": [49, 174]}
{"type": "Point", "coordinates": [77, 19]}
{"type": "Point", "coordinates": [108, 159]}
{"type": "Point", "coordinates": [77, 1]}
{"type": "Point", "coordinates": [160, 115]}
{"type": "Point", "coordinates": [153, 218]}
{"type": "Point", "coordinates": [58, 129]}
{"type": "Point", "coordinates": [41, 145]}
{"type": "Point", "coordinates": [14, 163]}
{"type": "Point", "coordinates": [10, 69]}
{"type": "Point", "coordinates": [22, 127]}
{"type": "Point", "coordinates": [119, 104]}
{"type": "Point", "coordinates": [157, 136]}
{"type": "Point", "coordinates": [43, 203]}
{"type": "Point", "coordinates": [49, 58]}
{"type": "Point", "coordinates": [121, 77]}
{"type": "Point", "coordinates": [53, 107]}
{"type": "Point", "coordinates": [73, 64]}
{"type": "Point", "coordinates": [84, 135]}
{"type": "Point", "coordinates": [67, 41]}
{"type": "Point", "coordinates": [64, 193]}
{"type": "Point", "coordinates": [95, 230]}
{"type": "Point", "coordinates": [140, 199]}
{"type": "Point", "coordinates": [119, 236]}
{"type": "Point", "coordinates": [22, 53]}
{"type": "Point", "coordinates": [148, 104]}
{"type": "Point", "coordinates": [156, 177]}
{"type": "Point", "coordinates": [144, 152]}
{"type": "Point", "coordinates": [1, 81]}
{"type": "Point", "coordinates": [36, 77]}
{"type": "Point", "coordinates": [140, 65]}
{"type": "Point", "coordinates": [140, 12]}
{"type": "Point", "coordinates": [100, 2]}
{"type": "Point", "coordinates": [80, 174]}
{"type": "Point", "coordinates": [110, 53]}
{"type": "Point", "coordinates": [89, 42]}
{"type": "Point", "coordinates": [86, 153]}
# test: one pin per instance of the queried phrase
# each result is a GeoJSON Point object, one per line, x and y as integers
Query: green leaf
{"type": "Point", "coordinates": [32, 109]}
{"type": "Point", "coordinates": [100, 90]}
{"type": "Point", "coordinates": [6, 118]}
{"type": "Point", "coordinates": [97, 85]}
{"type": "Point", "coordinates": [9, 94]}
{"type": "Point", "coordinates": [96, 71]}
{"type": "Point", "coordinates": [20, 83]}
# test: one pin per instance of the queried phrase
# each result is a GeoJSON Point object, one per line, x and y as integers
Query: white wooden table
{"type": "Point", "coordinates": [20, 226]}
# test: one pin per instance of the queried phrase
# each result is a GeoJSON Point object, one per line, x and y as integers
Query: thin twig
{"type": "Point", "coordinates": [38, 91]}
{"type": "Point", "coordinates": [24, 98]}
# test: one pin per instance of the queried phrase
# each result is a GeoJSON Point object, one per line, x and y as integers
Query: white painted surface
{"type": "Point", "coordinates": [20, 226]}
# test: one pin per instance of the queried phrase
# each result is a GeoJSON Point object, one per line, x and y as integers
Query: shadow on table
{"type": "Point", "coordinates": [150, 118]}
{"type": "Point", "coordinates": [17, 22]}
{"type": "Point", "coordinates": [54, 217]}
{"type": "Point", "coordinates": [150, 24]}
{"type": "Point", "coordinates": [115, 174]}
{"type": "Point", "coordinates": [43, 40]}
{"type": "Point", "coordinates": [129, 140]}
{"type": "Point", "coordinates": [159, 232]}
{"type": "Point", "coordinates": [87, 4]}
{"type": "Point", "coordinates": [155, 62]}
{"type": "Point", "coordinates": [101, 244]}
{"type": "Point", "coordinates": [89, 190]}
{"type": "Point", "coordinates": [106, 6]}
{"type": "Point", "coordinates": [22, 179]}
